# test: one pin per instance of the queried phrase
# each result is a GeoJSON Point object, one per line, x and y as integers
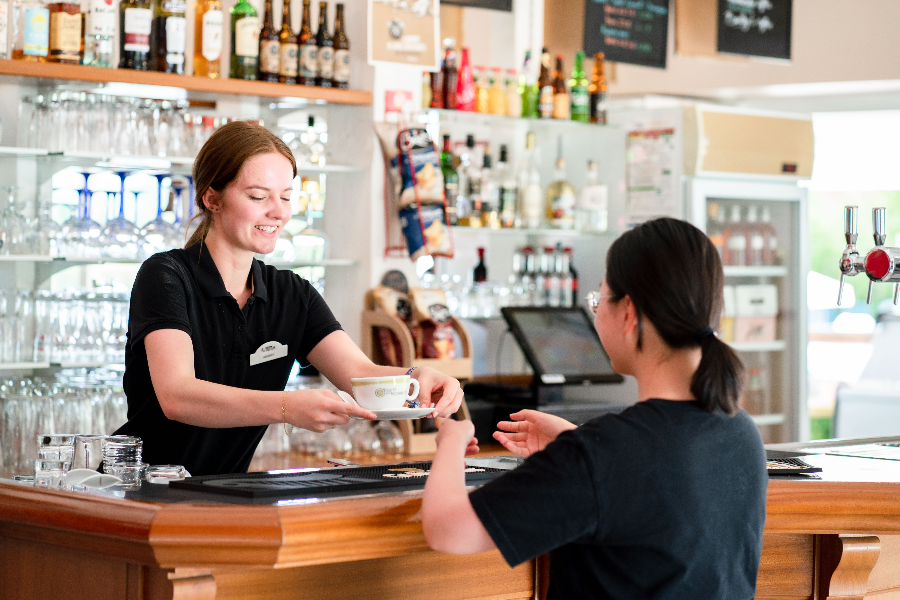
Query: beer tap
{"type": "Point", "coordinates": [850, 264]}
{"type": "Point", "coordinates": [881, 262]}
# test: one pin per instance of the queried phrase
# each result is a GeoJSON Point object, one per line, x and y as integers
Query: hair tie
{"type": "Point", "coordinates": [705, 333]}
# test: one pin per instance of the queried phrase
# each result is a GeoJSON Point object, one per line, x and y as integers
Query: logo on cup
{"type": "Point", "coordinates": [379, 392]}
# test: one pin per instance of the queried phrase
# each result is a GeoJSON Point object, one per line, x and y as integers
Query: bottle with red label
{"type": "Point", "coordinates": [573, 276]}
{"type": "Point", "coordinates": [99, 31]}
{"type": "Point", "coordinates": [465, 85]}
{"type": "Point", "coordinates": [448, 80]}
{"type": "Point", "coordinates": [135, 24]}
{"type": "Point", "coordinates": [479, 273]}
{"type": "Point", "coordinates": [65, 32]}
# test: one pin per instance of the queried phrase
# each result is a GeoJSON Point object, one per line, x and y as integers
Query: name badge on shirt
{"type": "Point", "coordinates": [268, 351]}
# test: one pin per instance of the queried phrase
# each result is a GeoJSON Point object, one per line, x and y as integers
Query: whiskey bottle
{"type": "Point", "coordinates": [341, 76]}
{"type": "Point", "coordinates": [269, 47]}
{"type": "Point", "coordinates": [244, 40]}
{"type": "Point", "coordinates": [324, 49]}
{"type": "Point", "coordinates": [287, 61]}
{"type": "Point", "coordinates": [135, 23]}
{"type": "Point", "coordinates": [168, 36]}
{"type": "Point", "coordinates": [560, 94]}
{"type": "Point", "coordinates": [306, 44]}
{"type": "Point", "coordinates": [208, 23]}
{"type": "Point", "coordinates": [65, 32]}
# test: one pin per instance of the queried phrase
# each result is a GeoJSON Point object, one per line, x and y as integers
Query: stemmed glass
{"type": "Point", "coordinates": [122, 238]}
{"type": "Point", "coordinates": [155, 232]}
{"type": "Point", "coordinates": [175, 232]}
{"type": "Point", "coordinates": [47, 231]}
{"type": "Point", "coordinates": [80, 233]}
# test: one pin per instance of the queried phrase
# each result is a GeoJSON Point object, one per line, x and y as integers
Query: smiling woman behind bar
{"type": "Point", "coordinates": [664, 500]}
{"type": "Point", "coordinates": [213, 332]}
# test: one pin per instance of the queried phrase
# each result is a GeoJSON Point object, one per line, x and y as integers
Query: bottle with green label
{"type": "Point", "coordinates": [99, 31]}
{"type": "Point", "coordinates": [578, 91]}
{"type": "Point", "coordinates": [135, 24]}
{"type": "Point", "coordinates": [244, 40]}
{"type": "Point", "coordinates": [31, 30]}
{"type": "Point", "coordinates": [168, 35]}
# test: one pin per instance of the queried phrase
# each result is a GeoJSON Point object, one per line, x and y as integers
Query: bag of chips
{"type": "Point", "coordinates": [413, 166]}
{"type": "Point", "coordinates": [396, 304]}
{"type": "Point", "coordinates": [431, 324]}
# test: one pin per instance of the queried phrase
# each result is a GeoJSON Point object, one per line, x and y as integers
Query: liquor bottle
{"type": "Point", "coordinates": [482, 85]}
{"type": "Point", "coordinates": [714, 230]}
{"type": "Point", "coordinates": [735, 242]}
{"type": "Point", "coordinates": [99, 30]}
{"type": "Point", "coordinates": [31, 30]}
{"type": "Point", "coordinates": [567, 294]}
{"type": "Point", "coordinates": [490, 195]}
{"type": "Point", "coordinates": [135, 23]}
{"type": "Point", "coordinates": [528, 272]}
{"type": "Point", "coordinates": [473, 183]}
{"type": "Point", "coordinates": [553, 278]}
{"type": "Point", "coordinates": [465, 84]}
{"type": "Point", "coordinates": [449, 79]}
{"type": "Point", "coordinates": [528, 91]}
{"type": "Point", "coordinates": [435, 82]}
{"type": "Point", "coordinates": [578, 86]}
{"type": "Point", "coordinates": [542, 271]}
{"type": "Point", "coordinates": [65, 32]}
{"type": "Point", "coordinates": [479, 273]}
{"type": "Point", "coordinates": [497, 93]}
{"type": "Point", "coordinates": [545, 87]}
{"type": "Point", "coordinates": [573, 275]}
{"type": "Point", "coordinates": [597, 90]}
{"type": "Point", "coordinates": [426, 90]}
{"type": "Point", "coordinates": [463, 201]}
{"type": "Point", "coordinates": [592, 210]}
{"type": "Point", "coordinates": [511, 90]}
{"type": "Point", "coordinates": [324, 49]}
{"type": "Point", "coordinates": [770, 247]}
{"type": "Point", "coordinates": [506, 181]}
{"type": "Point", "coordinates": [518, 267]}
{"type": "Point", "coordinates": [244, 40]}
{"type": "Point", "coordinates": [754, 237]}
{"type": "Point", "coordinates": [529, 186]}
{"type": "Point", "coordinates": [287, 46]}
{"type": "Point", "coordinates": [269, 47]}
{"type": "Point", "coordinates": [168, 36]}
{"type": "Point", "coordinates": [560, 199]}
{"type": "Point", "coordinates": [560, 94]}
{"type": "Point", "coordinates": [341, 77]}
{"type": "Point", "coordinates": [4, 27]}
{"type": "Point", "coordinates": [306, 49]}
{"type": "Point", "coordinates": [208, 23]}
{"type": "Point", "coordinates": [451, 180]}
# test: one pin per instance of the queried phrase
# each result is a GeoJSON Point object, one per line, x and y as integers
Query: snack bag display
{"type": "Point", "coordinates": [413, 165]}
{"type": "Point", "coordinates": [430, 325]}
{"type": "Point", "coordinates": [396, 304]}
{"type": "Point", "coordinates": [436, 240]}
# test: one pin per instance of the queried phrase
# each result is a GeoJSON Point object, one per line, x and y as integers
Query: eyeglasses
{"type": "Point", "coordinates": [594, 298]}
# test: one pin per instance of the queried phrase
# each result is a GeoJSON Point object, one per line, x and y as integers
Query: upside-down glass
{"type": "Point", "coordinates": [156, 231]}
{"type": "Point", "coordinates": [121, 238]}
{"type": "Point", "coordinates": [13, 225]}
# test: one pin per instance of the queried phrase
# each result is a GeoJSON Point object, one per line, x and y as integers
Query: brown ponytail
{"type": "Point", "coordinates": [673, 275]}
{"type": "Point", "coordinates": [220, 160]}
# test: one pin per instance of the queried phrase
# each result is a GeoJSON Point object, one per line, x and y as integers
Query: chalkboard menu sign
{"type": "Point", "coordinates": [755, 28]}
{"type": "Point", "coordinates": [505, 5]}
{"type": "Point", "coordinates": [627, 31]}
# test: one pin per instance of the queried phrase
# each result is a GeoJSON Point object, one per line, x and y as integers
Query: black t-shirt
{"type": "Point", "coordinates": [661, 501]}
{"type": "Point", "coordinates": [182, 289]}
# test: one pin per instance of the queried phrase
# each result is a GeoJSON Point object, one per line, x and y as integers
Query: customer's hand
{"type": "Point", "coordinates": [530, 431]}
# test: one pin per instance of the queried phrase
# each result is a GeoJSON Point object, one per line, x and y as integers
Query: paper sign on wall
{"type": "Point", "coordinates": [403, 32]}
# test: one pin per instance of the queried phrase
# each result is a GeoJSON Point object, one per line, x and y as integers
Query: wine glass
{"type": "Point", "coordinates": [13, 225]}
{"type": "Point", "coordinates": [80, 233]}
{"type": "Point", "coordinates": [155, 232]}
{"type": "Point", "coordinates": [47, 231]}
{"type": "Point", "coordinates": [175, 231]}
{"type": "Point", "coordinates": [390, 437]}
{"type": "Point", "coordinates": [121, 238]}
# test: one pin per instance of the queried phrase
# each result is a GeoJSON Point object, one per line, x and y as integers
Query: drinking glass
{"type": "Point", "coordinates": [13, 225]}
{"type": "Point", "coordinates": [81, 234]}
{"type": "Point", "coordinates": [174, 233]}
{"type": "Point", "coordinates": [88, 452]}
{"type": "Point", "coordinates": [50, 473]}
{"type": "Point", "coordinates": [121, 238]}
{"type": "Point", "coordinates": [121, 449]}
{"type": "Point", "coordinates": [56, 446]}
{"type": "Point", "coordinates": [47, 232]}
{"type": "Point", "coordinates": [390, 437]}
{"type": "Point", "coordinates": [155, 231]}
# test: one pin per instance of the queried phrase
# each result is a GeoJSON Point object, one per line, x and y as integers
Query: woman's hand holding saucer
{"type": "Point", "coordinates": [530, 431]}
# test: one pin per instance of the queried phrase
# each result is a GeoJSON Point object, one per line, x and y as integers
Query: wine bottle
{"type": "Point", "coordinates": [449, 79]}
{"type": "Point", "coordinates": [168, 36]}
{"type": "Point", "coordinates": [244, 40]}
{"type": "Point", "coordinates": [135, 22]}
{"type": "Point", "coordinates": [506, 181]}
{"type": "Point", "coordinates": [269, 47]}
{"type": "Point", "coordinates": [208, 22]}
{"type": "Point", "coordinates": [99, 31]}
{"type": "Point", "coordinates": [306, 44]}
{"type": "Point", "coordinates": [324, 49]}
{"type": "Point", "coordinates": [451, 180]}
{"type": "Point", "coordinates": [287, 61]}
{"type": "Point", "coordinates": [479, 273]}
{"type": "Point", "coordinates": [529, 188]}
{"type": "Point", "coordinates": [341, 77]}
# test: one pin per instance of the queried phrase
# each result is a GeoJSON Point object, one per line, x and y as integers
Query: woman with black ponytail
{"type": "Point", "coordinates": [664, 500]}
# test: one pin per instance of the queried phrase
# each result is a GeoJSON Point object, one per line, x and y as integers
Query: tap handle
{"type": "Point", "coordinates": [840, 289]}
{"type": "Point", "coordinates": [850, 224]}
{"type": "Point", "coordinates": [896, 293]}
{"type": "Point", "coordinates": [869, 293]}
{"type": "Point", "coordinates": [879, 227]}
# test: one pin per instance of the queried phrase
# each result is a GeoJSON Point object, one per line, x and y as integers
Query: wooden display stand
{"type": "Point", "coordinates": [460, 368]}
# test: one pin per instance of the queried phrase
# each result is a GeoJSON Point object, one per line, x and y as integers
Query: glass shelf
{"type": "Point", "coordinates": [27, 366]}
{"type": "Point", "coordinates": [768, 271]}
{"type": "Point", "coordinates": [446, 116]}
{"type": "Point", "coordinates": [775, 346]}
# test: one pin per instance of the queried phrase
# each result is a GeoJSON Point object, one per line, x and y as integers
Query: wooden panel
{"type": "Point", "coordinates": [452, 25]}
{"type": "Point", "coordinates": [833, 507]}
{"type": "Point", "coordinates": [448, 577]}
{"type": "Point", "coordinates": [197, 84]}
{"type": "Point", "coordinates": [695, 27]}
{"type": "Point", "coordinates": [786, 568]}
{"type": "Point", "coordinates": [885, 576]}
{"type": "Point", "coordinates": [35, 570]}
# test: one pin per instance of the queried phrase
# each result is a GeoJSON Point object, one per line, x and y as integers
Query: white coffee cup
{"type": "Point", "coordinates": [386, 392]}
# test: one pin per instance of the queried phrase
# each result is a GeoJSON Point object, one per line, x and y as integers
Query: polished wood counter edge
{"type": "Point", "coordinates": [48, 70]}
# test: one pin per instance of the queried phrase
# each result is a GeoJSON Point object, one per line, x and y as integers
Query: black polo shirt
{"type": "Point", "coordinates": [182, 289]}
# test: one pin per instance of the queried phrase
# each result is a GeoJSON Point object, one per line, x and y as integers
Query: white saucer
{"type": "Point", "coordinates": [399, 414]}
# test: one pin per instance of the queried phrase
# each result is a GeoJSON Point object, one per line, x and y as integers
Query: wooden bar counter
{"type": "Point", "coordinates": [833, 537]}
